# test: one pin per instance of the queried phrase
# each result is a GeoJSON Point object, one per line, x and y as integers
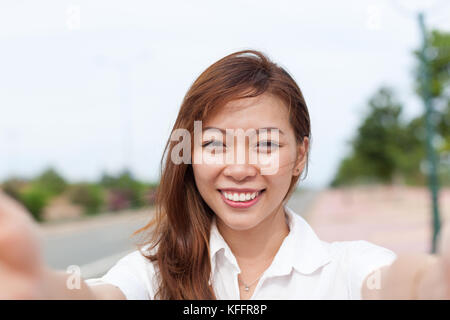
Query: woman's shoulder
{"type": "Point", "coordinates": [359, 250]}
{"type": "Point", "coordinates": [356, 260]}
{"type": "Point", "coordinates": [359, 257]}
{"type": "Point", "coordinates": [336, 249]}
{"type": "Point", "coordinates": [354, 246]}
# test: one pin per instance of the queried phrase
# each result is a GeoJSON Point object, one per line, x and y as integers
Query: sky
{"type": "Point", "coordinates": [95, 86]}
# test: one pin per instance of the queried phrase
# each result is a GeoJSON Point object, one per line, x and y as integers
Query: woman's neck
{"type": "Point", "coordinates": [260, 243]}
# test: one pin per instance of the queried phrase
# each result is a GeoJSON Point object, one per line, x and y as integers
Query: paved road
{"type": "Point", "coordinates": [95, 245]}
{"type": "Point", "coordinates": [92, 243]}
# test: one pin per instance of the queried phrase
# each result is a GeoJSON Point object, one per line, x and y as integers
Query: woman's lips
{"type": "Point", "coordinates": [242, 204]}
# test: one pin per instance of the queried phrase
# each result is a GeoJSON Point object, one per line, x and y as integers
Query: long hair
{"type": "Point", "coordinates": [178, 235]}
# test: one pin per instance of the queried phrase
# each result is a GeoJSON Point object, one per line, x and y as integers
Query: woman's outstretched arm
{"type": "Point", "coordinates": [23, 273]}
{"type": "Point", "coordinates": [56, 287]}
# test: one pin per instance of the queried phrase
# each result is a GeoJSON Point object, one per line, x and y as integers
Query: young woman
{"type": "Point", "coordinates": [222, 229]}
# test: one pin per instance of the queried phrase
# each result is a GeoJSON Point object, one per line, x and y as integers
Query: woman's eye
{"type": "Point", "coordinates": [214, 145]}
{"type": "Point", "coordinates": [264, 146]}
{"type": "Point", "coordinates": [268, 145]}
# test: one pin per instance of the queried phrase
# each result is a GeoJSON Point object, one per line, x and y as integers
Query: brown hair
{"type": "Point", "coordinates": [180, 230]}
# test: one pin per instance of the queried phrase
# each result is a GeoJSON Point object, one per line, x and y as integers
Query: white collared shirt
{"type": "Point", "coordinates": [304, 267]}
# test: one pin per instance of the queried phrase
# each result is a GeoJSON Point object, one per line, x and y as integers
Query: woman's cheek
{"type": "Point", "coordinates": [284, 159]}
{"type": "Point", "coordinates": [205, 176]}
{"type": "Point", "coordinates": [282, 179]}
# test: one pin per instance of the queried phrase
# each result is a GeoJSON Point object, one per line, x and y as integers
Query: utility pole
{"type": "Point", "coordinates": [425, 76]}
{"type": "Point", "coordinates": [123, 68]}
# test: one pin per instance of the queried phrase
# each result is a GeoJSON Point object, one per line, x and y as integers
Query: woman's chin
{"type": "Point", "coordinates": [239, 222]}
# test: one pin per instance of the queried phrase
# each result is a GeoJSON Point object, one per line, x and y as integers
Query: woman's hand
{"type": "Point", "coordinates": [434, 278]}
{"type": "Point", "coordinates": [23, 273]}
{"type": "Point", "coordinates": [22, 269]}
{"type": "Point", "coordinates": [414, 276]}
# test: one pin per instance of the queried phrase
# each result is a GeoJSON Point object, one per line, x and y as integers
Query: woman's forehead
{"type": "Point", "coordinates": [261, 111]}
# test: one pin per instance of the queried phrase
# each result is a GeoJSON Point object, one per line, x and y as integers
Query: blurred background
{"type": "Point", "coordinates": [89, 91]}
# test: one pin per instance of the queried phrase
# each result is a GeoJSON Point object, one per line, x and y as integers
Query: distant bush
{"type": "Point", "coordinates": [51, 181]}
{"type": "Point", "coordinates": [34, 198]}
{"type": "Point", "coordinates": [118, 200]}
{"type": "Point", "coordinates": [90, 196]}
{"type": "Point", "coordinates": [110, 193]}
{"type": "Point", "coordinates": [124, 191]}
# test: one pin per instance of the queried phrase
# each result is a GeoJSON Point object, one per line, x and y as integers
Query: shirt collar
{"type": "Point", "coordinates": [217, 244]}
{"type": "Point", "coordinates": [301, 249]}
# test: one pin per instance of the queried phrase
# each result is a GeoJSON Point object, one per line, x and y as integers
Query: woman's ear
{"type": "Point", "coordinates": [302, 152]}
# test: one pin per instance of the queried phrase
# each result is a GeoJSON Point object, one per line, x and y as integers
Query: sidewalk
{"type": "Point", "coordinates": [398, 218]}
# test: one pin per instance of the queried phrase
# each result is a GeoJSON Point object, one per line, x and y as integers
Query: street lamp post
{"type": "Point", "coordinates": [425, 76]}
{"type": "Point", "coordinates": [123, 69]}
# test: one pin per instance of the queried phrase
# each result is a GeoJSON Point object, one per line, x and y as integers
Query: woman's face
{"type": "Point", "coordinates": [226, 187]}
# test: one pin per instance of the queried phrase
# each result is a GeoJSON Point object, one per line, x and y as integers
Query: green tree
{"type": "Point", "coordinates": [411, 153]}
{"type": "Point", "coordinates": [376, 146]}
{"type": "Point", "coordinates": [439, 56]}
{"type": "Point", "coordinates": [35, 199]}
{"type": "Point", "coordinates": [37, 193]}
{"type": "Point", "coordinates": [51, 181]}
{"type": "Point", "coordinates": [385, 148]}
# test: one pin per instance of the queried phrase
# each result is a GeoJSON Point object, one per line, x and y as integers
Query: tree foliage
{"type": "Point", "coordinates": [51, 181]}
{"type": "Point", "coordinates": [385, 148]}
{"type": "Point", "coordinates": [377, 144]}
{"type": "Point", "coordinates": [89, 195]}
{"type": "Point", "coordinates": [124, 191]}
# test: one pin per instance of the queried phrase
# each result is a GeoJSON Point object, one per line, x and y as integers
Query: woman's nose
{"type": "Point", "coordinates": [240, 172]}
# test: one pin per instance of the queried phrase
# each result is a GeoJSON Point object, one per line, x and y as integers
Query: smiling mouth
{"type": "Point", "coordinates": [241, 199]}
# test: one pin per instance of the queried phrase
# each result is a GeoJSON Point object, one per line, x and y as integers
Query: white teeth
{"type": "Point", "coordinates": [238, 197]}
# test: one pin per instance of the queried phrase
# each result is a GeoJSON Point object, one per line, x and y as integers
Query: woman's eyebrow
{"type": "Point", "coordinates": [257, 130]}
{"type": "Point", "coordinates": [271, 128]}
